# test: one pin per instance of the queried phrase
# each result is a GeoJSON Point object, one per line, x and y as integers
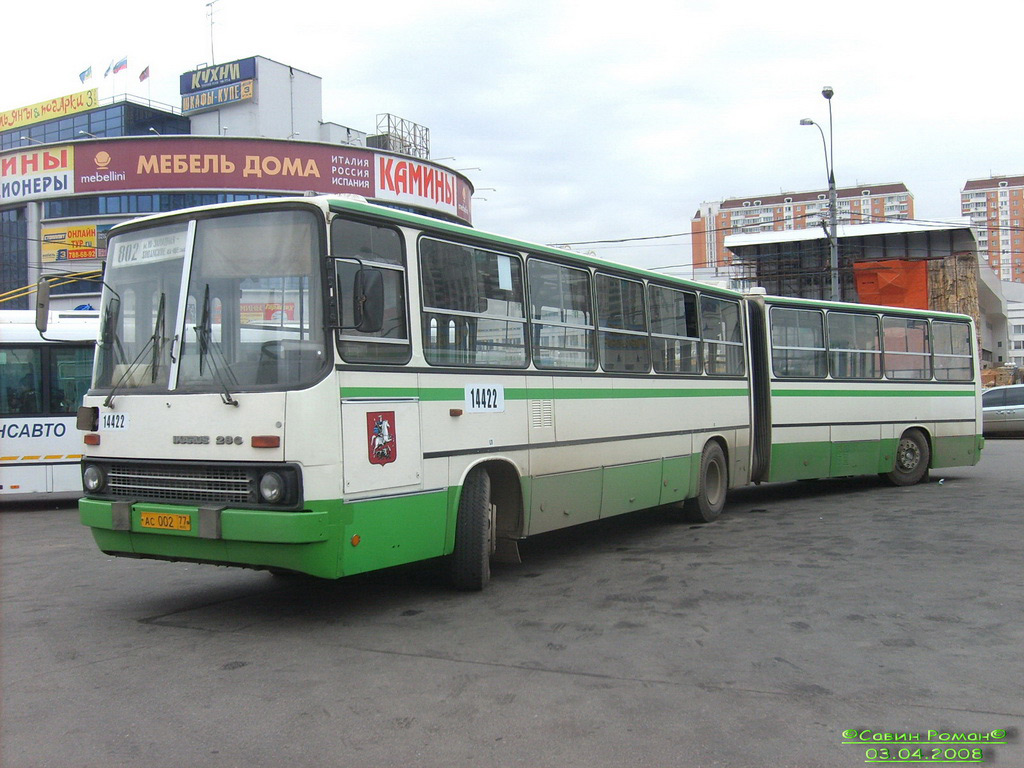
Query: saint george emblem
{"type": "Point", "coordinates": [380, 437]}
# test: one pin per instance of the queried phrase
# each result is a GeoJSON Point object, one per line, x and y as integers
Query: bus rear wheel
{"type": "Point", "coordinates": [912, 458]}
{"type": "Point", "coordinates": [474, 534]}
{"type": "Point", "coordinates": [712, 486]}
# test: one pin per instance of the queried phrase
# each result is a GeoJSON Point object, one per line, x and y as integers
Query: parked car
{"type": "Point", "coordinates": [1002, 410]}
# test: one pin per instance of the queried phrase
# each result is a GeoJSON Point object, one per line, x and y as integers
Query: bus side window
{"type": "Point", "coordinates": [378, 248]}
{"type": "Point", "coordinates": [906, 353]}
{"type": "Point", "coordinates": [622, 325]}
{"type": "Point", "coordinates": [953, 359]}
{"type": "Point", "coordinates": [21, 382]}
{"type": "Point", "coordinates": [476, 297]}
{"type": "Point", "coordinates": [675, 335]}
{"type": "Point", "coordinates": [722, 334]}
{"type": "Point", "coordinates": [798, 343]}
{"type": "Point", "coordinates": [562, 316]}
{"type": "Point", "coordinates": [854, 346]}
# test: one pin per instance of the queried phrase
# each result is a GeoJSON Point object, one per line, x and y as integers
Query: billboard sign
{"type": "Point", "coordinates": [216, 164]}
{"type": "Point", "coordinates": [200, 101]}
{"type": "Point", "coordinates": [36, 173]}
{"type": "Point", "coordinates": [71, 242]}
{"type": "Point", "coordinates": [48, 110]}
{"type": "Point", "coordinates": [217, 76]}
{"type": "Point", "coordinates": [198, 163]}
{"type": "Point", "coordinates": [409, 181]}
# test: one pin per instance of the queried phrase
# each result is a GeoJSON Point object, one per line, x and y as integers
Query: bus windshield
{"type": "Point", "coordinates": [218, 304]}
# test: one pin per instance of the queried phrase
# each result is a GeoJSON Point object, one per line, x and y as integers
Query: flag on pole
{"type": "Point", "coordinates": [121, 65]}
{"type": "Point", "coordinates": [110, 68]}
{"type": "Point", "coordinates": [85, 75]}
{"type": "Point", "coordinates": [144, 75]}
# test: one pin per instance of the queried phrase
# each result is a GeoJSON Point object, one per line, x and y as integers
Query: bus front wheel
{"type": "Point", "coordinates": [912, 458]}
{"type": "Point", "coordinates": [712, 486]}
{"type": "Point", "coordinates": [474, 526]}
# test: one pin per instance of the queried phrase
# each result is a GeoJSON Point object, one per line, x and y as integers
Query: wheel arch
{"type": "Point", "coordinates": [723, 443]}
{"type": "Point", "coordinates": [506, 495]}
{"type": "Point", "coordinates": [925, 430]}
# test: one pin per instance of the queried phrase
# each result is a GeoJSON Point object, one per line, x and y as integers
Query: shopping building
{"type": "Point", "coordinates": [74, 166]}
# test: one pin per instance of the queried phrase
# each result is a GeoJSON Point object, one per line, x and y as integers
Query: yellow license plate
{"type": "Point", "coordinates": [166, 521]}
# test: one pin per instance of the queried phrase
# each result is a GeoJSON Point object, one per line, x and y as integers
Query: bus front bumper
{"type": "Point", "coordinates": [298, 541]}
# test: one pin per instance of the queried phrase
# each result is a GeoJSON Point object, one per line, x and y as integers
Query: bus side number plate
{"type": "Point", "coordinates": [485, 398]}
{"type": "Point", "coordinates": [113, 421]}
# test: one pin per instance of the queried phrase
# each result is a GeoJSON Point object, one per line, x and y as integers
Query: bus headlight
{"type": "Point", "coordinates": [272, 488]}
{"type": "Point", "coordinates": [93, 478]}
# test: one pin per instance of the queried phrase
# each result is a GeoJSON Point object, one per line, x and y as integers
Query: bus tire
{"type": "Point", "coordinates": [471, 558]}
{"type": "Point", "coordinates": [712, 486]}
{"type": "Point", "coordinates": [912, 458]}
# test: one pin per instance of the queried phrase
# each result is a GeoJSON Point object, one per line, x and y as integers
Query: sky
{"type": "Point", "coordinates": [585, 121]}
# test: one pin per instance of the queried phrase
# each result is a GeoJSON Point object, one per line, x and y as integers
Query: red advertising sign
{"type": "Point", "coordinates": [268, 165]}
{"type": "Point", "coordinates": [194, 163]}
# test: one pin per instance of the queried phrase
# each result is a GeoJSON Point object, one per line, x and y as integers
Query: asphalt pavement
{"type": "Point", "coordinates": [809, 616]}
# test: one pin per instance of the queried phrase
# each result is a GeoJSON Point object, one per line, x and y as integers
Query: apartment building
{"type": "Point", "coordinates": [862, 204]}
{"type": "Point", "coordinates": [996, 208]}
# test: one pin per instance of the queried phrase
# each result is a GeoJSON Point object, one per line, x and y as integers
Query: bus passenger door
{"type": "Point", "coordinates": [381, 447]}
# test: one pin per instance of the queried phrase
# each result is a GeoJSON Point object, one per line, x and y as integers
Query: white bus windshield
{"type": "Point", "coordinates": [250, 318]}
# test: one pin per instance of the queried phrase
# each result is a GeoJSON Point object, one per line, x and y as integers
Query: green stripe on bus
{"type": "Point", "coordinates": [873, 393]}
{"type": "Point", "coordinates": [437, 394]}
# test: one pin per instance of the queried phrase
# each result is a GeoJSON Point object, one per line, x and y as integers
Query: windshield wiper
{"type": "Point", "coordinates": [204, 334]}
{"type": "Point", "coordinates": [155, 342]}
{"type": "Point", "coordinates": [109, 336]}
{"type": "Point", "coordinates": [158, 340]}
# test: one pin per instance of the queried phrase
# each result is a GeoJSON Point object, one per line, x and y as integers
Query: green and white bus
{"type": "Point", "coordinates": [327, 386]}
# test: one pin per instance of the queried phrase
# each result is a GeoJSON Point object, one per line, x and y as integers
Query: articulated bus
{"type": "Point", "coordinates": [42, 381]}
{"type": "Point", "coordinates": [328, 386]}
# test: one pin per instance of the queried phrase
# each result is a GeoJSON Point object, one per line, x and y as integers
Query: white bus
{"type": "Point", "coordinates": [42, 381]}
{"type": "Point", "coordinates": [328, 386]}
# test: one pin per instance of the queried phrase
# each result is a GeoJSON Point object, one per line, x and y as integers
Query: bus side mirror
{"type": "Point", "coordinates": [368, 300]}
{"type": "Point", "coordinates": [108, 330]}
{"type": "Point", "coordinates": [42, 305]}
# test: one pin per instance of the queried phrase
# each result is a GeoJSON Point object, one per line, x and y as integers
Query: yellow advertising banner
{"type": "Point", "coordinates": [73, 242]}
{"type": "Point", "coordinates": [48, 110]}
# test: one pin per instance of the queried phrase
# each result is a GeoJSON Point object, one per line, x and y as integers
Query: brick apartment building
{"type": "Point", "coordinates": [787, 211]}
{"type": "Point", "coordinates": [996, 208]}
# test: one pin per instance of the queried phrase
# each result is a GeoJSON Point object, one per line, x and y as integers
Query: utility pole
{"type": "Point", "coordinates": [833, 203]}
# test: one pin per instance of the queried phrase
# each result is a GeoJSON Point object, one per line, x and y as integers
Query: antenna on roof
{"type": "Point", "coordinates": [209, 15]}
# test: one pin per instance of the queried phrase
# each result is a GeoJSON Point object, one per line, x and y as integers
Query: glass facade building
{"type": "Point", "coordinates": [124, 118]}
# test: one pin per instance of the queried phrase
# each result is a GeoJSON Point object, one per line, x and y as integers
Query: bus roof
{"type": "Point", "coordinates": [19, 326]}
{"type": "Point", "coordinates": [815, 303]}
{"type": "Point", "coordinates": [357, 204]}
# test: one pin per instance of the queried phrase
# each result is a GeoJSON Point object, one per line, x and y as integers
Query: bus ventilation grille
{"type": "Point", "coordinates": [218, 485]}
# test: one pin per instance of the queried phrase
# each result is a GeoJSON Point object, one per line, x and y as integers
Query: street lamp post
{"type": "Point", "coordinates": [833, 207]}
